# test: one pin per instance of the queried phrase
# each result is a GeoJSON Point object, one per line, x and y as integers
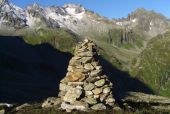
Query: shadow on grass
{"type": "Point", "coordinates": [122, 81]}
{"type": "Point", "coordinates": [29, 73]}
{"type": "Point", "coordinates": [32, 73]}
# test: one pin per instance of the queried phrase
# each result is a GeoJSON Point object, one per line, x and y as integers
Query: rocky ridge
{"type": "Point", "coordinates": [11, 15]}
{"type": "Point", "coordinates": [85, 86]}
{"type": "Point", "coordinates": [80, 20]}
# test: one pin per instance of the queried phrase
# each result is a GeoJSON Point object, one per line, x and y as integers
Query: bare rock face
{"type": "Point", "coordinates": [139, 100]}
{"type": "Point", "coordinates": [22, 106]}
{"type": "Point", "coordinates": [85, 86]}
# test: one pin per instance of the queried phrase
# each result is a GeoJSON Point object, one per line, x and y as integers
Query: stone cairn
{"type": "Point", "coordinates": [85, 86]}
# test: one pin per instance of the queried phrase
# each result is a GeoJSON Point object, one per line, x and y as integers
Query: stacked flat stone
{"type": "Point", "coordinates": [85, 86]}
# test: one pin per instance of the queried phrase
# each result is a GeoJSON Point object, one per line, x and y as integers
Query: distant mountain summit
{"type": "Point", "coordinates": [11, 15]}
{"type": "Point", "coordinates": [3, 1]}
{"type": "Point", "coordinates": [79, 20]}
{"type": "Point", "coordinates": [148, 23]}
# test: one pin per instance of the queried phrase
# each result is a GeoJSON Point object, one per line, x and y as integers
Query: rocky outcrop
{"type": "Point", "coordinates": [4, 107]}
{"type": "Point", "coordinates": [2, 111]}
{"type": "Point", "coordinates": [139, 100]}
{"type": "Point", "coordinates": [85, 86]}
{"type": "Point", "coordinates": [51, 102]}
{"type": "Point", "coordinates": [22, 106]}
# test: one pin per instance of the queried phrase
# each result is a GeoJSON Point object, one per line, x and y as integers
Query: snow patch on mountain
{"type": "Point", "coordinates": [134, 20]}
{"type": "Point", "coordinates": [119, 23]}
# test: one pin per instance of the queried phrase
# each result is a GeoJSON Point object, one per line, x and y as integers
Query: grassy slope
{"type": "Point", "coordinates": [119, 56]}
{"type": "Point", "coordinates": [152, 66]}
{"type": "Point", "coordinates": [60, 39]}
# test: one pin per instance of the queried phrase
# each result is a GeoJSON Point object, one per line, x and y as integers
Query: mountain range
{"type": "Point", "coordinates": [137, 44]}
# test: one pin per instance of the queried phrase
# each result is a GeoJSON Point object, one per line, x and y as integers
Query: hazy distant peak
{"type": "Point", "coordinates": [78, 19]}
{"type": "Point", "coordinates": [143, 12]}
{"type": "Point", "coordinates": [74, 8]}
{"type": "Point", "coordinates": [3, 1]}
{"type": "Point", "coordinates": [34, 6]}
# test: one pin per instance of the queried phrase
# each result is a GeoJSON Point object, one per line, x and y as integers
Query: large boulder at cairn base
{"type": "Point", "coordinates": [85, 86]}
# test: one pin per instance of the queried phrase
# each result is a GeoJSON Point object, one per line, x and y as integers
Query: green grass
{"type": "Point", "coordinates": [152, 66]}
{"type": "Point", "coordinates": [62, 40]}
{"type": "Point", "coordinates": [125, 39]}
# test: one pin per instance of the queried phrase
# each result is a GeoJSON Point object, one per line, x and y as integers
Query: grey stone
{"type": "Point", "coordinates": [88, 93]}
{"type": "Point", "coordinates": [91, 79]}
{"type": "Point", "coordinates": [76, 58]}
{"type": "Point", "coordinates": [86, 40]}
{"type": "Point", "coordinates": [94, 63]}
{"type": "Point", "coordinates": [110, 100]}
{"type": "Point", "coordinates": [100, 83]}
{"type": "Point", "coordinates": [161, 108]}
{"type": "Point", "coordinates": [86, 59]}
{"type": "Point", "coordinates": [75, 83]}
{"type": "Point", "coordinates": [79, 70]}
{"type": "Point", "coordinates": [116, 108]}
{"type": "Point", "coordinates": [51, 102]}
{"type": "Point", "coordinates": [79, 67]}
{"type": "Point", "coordinates": [64, 87]}
{"type": "Point", "coordinates": [89, 87]}
{"type": "Point", "coordinates": [77, 106]}
{"type": "Point", "coordinates": [79, 87]}
{"type": "Point", "coordinates": [99, 106]}
{"type": "Point", "coordinates": [85, 54]}
{"type": "Point", "coordinates": [111, 104]}
{"type": "Point", "coordinates": [83, 48]}
{"type": "Point", "coordinates": [97, 91]}
{"type": "Point", "coordinates": [81, 103]}
{"type": "Point", "coordinates": [88, 66]}
{"type": "Point", "coordinates": [137, 98]}
{"type": "Point", "coordinates": [74, 62]}
{"type": "Point", "coordinates": [6, 105]}
{"type": "Point", "coordinates": [106, 90]}
{"type": "Point", "coordinates": [103, 77]}
{"type": "Point", "coordinates": [110, 84]}
{"type": "Point", "coordinates": [98, 67]}
{"type": "Point", "coordinates": [22, 106]}
{"type": "Point", "coordinates": [61, 94]}
{"type": "Point", "coordinates": [103, 97]}
{"type": "Point", "coordinates": [96, 96]}
{"type": "Point", "coordinates": [72, 94]}
{"type": "Point", "coordinates": [90, 100]}
{"type": "Point", "coordinates": [95, 73]}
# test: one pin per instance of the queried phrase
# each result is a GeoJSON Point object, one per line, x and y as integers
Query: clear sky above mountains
{"type": "Point", "coordinates": [107, 8]}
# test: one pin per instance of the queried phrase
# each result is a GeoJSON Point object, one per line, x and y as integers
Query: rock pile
{"type": "Point", "coordinates": [85, 86]}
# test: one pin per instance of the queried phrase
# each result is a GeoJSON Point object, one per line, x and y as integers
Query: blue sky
{"type": "Point", "coordinates": [107, 8]}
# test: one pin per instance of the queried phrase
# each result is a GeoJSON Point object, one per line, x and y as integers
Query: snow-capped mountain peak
{"type": "Point", "coordinates": [78, 19]}
{"type": "Point", "coordinates": [11, 15]}
{"type": "Point", "coordinates": [74, 9]}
